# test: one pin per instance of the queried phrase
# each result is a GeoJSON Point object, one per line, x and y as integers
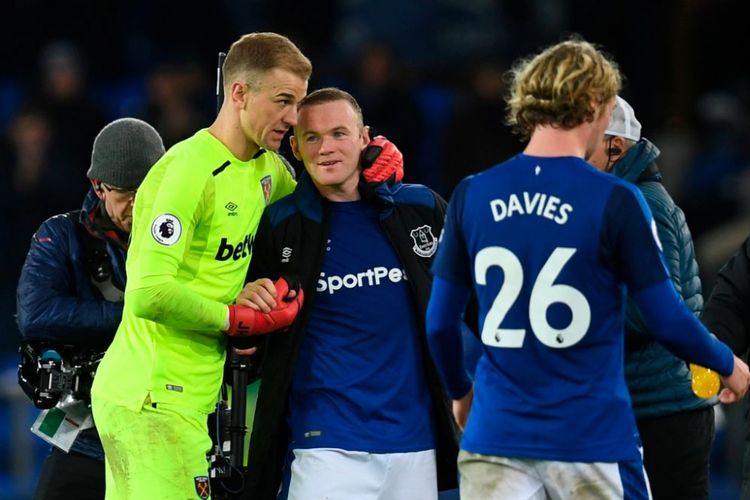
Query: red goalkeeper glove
{"type": "Point", "coordinates": [247, 321]}
{"type": "Point", "coordinates": [382, 161]}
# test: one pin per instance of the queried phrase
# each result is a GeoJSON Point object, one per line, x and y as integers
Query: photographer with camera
{"type": "Point", "coordinates": [70, 300]}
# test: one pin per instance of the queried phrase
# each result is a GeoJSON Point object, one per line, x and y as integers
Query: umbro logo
{"type": "Point", "coordinates": [231, 206]}
{"type": "Point", "coordinates": [286, 253]}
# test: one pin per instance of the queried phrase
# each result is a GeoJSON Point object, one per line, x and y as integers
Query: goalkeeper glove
{"type": "Point", "coordinates": [247, 321]}
{"type": "Point", "coordinates": [382, 161]}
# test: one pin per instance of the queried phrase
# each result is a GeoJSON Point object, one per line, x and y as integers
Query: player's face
{"type": "Point", "coordinates": [598, 126]}
{"type": "Point", "coordinates": [118, 202]}
{"type": "Point", "coordinates": [271, 109]}
{"type": "Point", "coordinates": [329, 139]}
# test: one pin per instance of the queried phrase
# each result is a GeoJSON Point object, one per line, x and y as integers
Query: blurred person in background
{"type": "Point", "coordinates": [28, 163]}
{"type": "Point", "coordinates": [39, 182]}
{"type": "Point", "coordinates": [177, 103]}
{"type": "Point", "coordinates": [675, 425]}
{"type": "Point", "coordinates": [719, 180]}
{"type": "Point", "coordinates": [70, 293]}
{"type": "Point", "coordinates": [50, 139]}
{"type": "Point", "coordinates": [63, 95]}
{"type": "Point", "coordinates": [477, 120]}
{"type": "Point", "coordinates": [382, 89]}
{"type": "Point", "coordinates": [716, 202]}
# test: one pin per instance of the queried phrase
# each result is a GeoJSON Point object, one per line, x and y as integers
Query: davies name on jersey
{"type": "Point", "coordinates": [541, 204]}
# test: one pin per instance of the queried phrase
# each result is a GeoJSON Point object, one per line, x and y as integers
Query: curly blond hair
{"type": "Point", "coordinates": [558, 86]}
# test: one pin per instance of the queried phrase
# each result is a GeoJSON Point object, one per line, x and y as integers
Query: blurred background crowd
{"type": "Point", "coordinates": [429, 75]}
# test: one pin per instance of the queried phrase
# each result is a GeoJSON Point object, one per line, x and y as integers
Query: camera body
{"type": "Point", "coordinates": [229, 427]}
{"type": "Point", "coordinates": [220, 457]}
{"type": "Point", "coordinates": [48, 372]}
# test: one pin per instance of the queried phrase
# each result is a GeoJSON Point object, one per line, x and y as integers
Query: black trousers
{"type": "Point", "coordinates": [677, 452]}
{"type": "Point", "coordinates": [746, 467]}
{"type": "Point", "coordinates": [67, 476]}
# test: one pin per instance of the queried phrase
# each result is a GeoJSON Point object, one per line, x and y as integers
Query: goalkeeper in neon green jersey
{"type": "Point", "coordinates": [194, 222]}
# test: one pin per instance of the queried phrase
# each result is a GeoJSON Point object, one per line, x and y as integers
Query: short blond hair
{"type": "Point", "coordinates": [254, 54]}
{"type": "Point", "coordinates": [558, 86]}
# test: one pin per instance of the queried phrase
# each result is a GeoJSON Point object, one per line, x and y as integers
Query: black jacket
{"type": "Point", "coordinates": [291, 240]}
{"type": "Point", "coordinates": [727, 311]}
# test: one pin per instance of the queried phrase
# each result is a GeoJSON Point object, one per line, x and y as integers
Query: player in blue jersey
{"type": "Point", "coordinates": [350, 392]}
{"type": "Point", "coordinates": [549, 244]}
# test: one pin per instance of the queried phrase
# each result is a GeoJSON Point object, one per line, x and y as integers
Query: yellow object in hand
{"type": "Point", "coordinates": [705, 382]}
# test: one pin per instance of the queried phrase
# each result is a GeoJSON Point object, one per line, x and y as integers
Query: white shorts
{"type": "Point", "coordinates": [485, 477]}
{"type": "Point", "coordinates": [335, 474]}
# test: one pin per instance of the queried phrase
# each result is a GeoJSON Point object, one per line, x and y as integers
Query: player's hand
{"type": "Point", "coordinates": [245, 320]}
{"type": "Point", "coordinates": [259, 295]}
{"type": "Point", "coordinates": [462, 407]}
{"type": "Point", "coordinates": [382, 161]}
{"type": "Point", "coordinates": [736, 384]}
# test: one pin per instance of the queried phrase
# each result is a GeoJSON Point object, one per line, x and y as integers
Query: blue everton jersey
{"type": "Point", "coordinates": [549, 245]}
{"type": "Point", "coordinates": [359, 381]}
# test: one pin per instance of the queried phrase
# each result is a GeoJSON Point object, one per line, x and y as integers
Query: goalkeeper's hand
{"type": "Point", "coordinates": [259, 295]}
{"type": "Point", "coordinates": [381, 161]}
{"type": "Point", "coordinates": [245, 320]}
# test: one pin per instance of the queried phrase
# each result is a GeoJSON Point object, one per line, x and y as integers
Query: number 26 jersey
{"type": "Point", "coordinates": [549, 245]}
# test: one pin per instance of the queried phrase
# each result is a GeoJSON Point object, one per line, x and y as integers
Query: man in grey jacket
{"type": "Point", "coordinates": [676, 426]}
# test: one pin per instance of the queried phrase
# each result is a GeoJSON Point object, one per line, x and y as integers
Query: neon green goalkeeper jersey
{"type": "Point", "coordinates": [194, 222]}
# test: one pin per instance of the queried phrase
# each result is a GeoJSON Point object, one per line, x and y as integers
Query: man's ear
{"type": "Point", "coordinates": [97, 189]}
{"type": "Point", "coordinates": [618, 148]}
{"type": "Point", "coordinates": [295, 147]}
{"type": "Point", "coordinates": [238, 93]}
{"type": "Point", "coordinates": [366, 133]}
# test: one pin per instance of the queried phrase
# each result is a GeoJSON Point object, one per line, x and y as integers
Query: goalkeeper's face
{"type": "Point", "coordinates": [269, 108]}
{"type": "Point", "coordinates": [329, 139]}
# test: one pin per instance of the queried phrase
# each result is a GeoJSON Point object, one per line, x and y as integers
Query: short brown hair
{"type": "Point", "coordinates": [254, 54]}
{"type": "Point", "coordinates": [557, 86]}
{"type": "Point", "coordinates": [331, 94]}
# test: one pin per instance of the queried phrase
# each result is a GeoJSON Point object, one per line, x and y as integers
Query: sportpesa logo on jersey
{"type": "Point", "coordinates": [166, 229]}
{"type": "Point", "coordinates": [368, 277]}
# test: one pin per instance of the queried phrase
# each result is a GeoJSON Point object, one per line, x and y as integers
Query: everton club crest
{"type": "Point", "coordinates": [425, 243]}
